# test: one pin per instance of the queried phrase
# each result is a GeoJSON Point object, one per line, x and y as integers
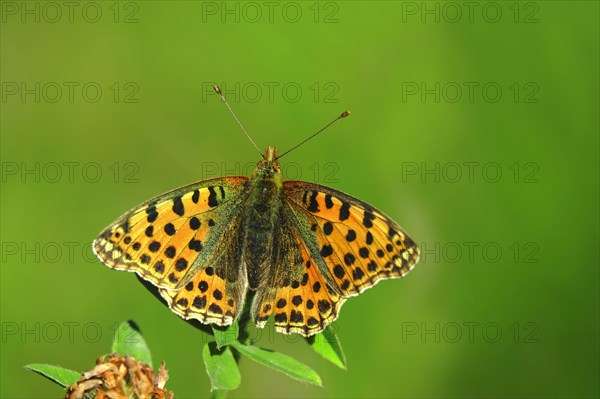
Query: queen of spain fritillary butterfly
{"type": "Point", "coordinates": [301, 248]}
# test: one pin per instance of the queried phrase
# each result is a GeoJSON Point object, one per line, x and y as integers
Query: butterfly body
{"type": "Point", "coordinates": [261, 215]}
{"type": "Point", "coordinates": [302, 248]}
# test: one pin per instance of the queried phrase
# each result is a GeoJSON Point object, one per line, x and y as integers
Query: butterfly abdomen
{"type": "Point", "coordinates": [260, 219]}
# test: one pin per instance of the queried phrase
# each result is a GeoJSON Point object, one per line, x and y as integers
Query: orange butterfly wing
{"type": "Point", "coordinates": [297, 292]}
{"type": "Point", "coordinates": [348, 247]}
{"type": "Point", "coordinates": [181, 242]}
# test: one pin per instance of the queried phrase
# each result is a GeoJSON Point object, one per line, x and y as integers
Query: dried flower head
{"type": "Point", "coordinates": [121, 377]}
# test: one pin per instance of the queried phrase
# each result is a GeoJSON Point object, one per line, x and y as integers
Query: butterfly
{"type": "Point", "coordinates": [300, 248]}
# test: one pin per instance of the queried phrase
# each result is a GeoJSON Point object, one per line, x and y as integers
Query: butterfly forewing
{"type": "Point", "coordinates": [358, 244]}
{"type": "Point", "coordinates": [165, 240]}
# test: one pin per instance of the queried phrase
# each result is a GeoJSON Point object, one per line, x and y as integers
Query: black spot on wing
{"type": "Point", "coordinates": [212, 197]}
{"type": "Point", "coordinates": [326, 250]}
{"type": "Point", "coordinates": [202, 286]}
{"type": "Point", "coordinates": [170, 252]}
{"type": "Point", "coordinates": [363, 252]}
{"type": "Point", "coordinates": [296, 317]}
{"type": "Point", "coordinates": [196, 245]}
{"type": "Point", "coordinates": [181, 264]}
{"type": "Point", "coordinates": [182, 302]}
{"type": "Point", "coordinates": [154, 246]}
{"type": "Point", "coordinates": [125, 227]}
{"type": "Point", "coordinates": [178, 206]}
{"type": "Point", "coordinates": [368, 219]}
{"type": "Point", "coordinates": [344, 211]}
{"type": "Point", "coordinates": [194, 223]}
{"type": "Point", "coordinates": [349, 259]}
{"type": "Point", "coordinates": [199, 302]}
{"type": "Point", "coordinates": [215, 308]}
{"type": "Point", "coordinates": [357, 274]}
{"type": "Point", "coordinates": [351, 236]}
{"type": "Point", "coordinates": [313, 205]}
{"type": "Point", "coordinates": [152, 213]}
{"type": "Point", "coordinates": [327, 228]}
{"type": "Point", "coordinates": [159, 266]}
{"type": "Point", "coordinates": [169, 229]}
{"type": "Point", "coordinates": [281, 318]}
{"type": "Point", "coordinates": [324, 306]}
{"type": "Point", "coordinates": [328, 201]}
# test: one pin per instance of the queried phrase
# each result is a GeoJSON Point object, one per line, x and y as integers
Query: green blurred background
{"type": "Point", "coordinates": [475, 125]}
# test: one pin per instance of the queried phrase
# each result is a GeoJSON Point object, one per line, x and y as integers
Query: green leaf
{"type": "Point", "coordinates": [61, 376]}
{"type": "Point", "coordinates": [329, 346]}
{"type": "Point", "coordinates": [219, 394]}
{"type": "Point", "coordinates": [221, 367]}
{"type": "Point", "coordinates": [129, 341]}
{"type": "Point", "coordinates": [280, 362]}
{"type": "Point", "coordinates": [225, 335]}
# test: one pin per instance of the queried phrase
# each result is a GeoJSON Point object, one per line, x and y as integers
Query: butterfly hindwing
{"type": "Point", "coordinates": [359, 244]}
{"type": "Point", "coordinates": [166, 239]}
{"type": "Point", "coordinates": [296, 291]}
{"type": "Point", "coordinates": [215, 293]}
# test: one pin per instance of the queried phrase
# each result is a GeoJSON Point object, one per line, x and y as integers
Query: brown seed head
{"type": "Point", "coordinates": [121, 377]}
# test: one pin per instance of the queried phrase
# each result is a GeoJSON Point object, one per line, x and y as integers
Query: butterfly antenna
{"type": "Point", "coordinates": [342, 115]}
{"type": "Point", "coordinates": [218, 91]}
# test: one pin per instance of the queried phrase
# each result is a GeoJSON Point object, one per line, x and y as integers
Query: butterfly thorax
{"type": "Point", "coordinates": [260, 217]}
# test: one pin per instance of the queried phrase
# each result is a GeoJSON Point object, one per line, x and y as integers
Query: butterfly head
{"type": "Point", "coordinates": [268, 166]}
